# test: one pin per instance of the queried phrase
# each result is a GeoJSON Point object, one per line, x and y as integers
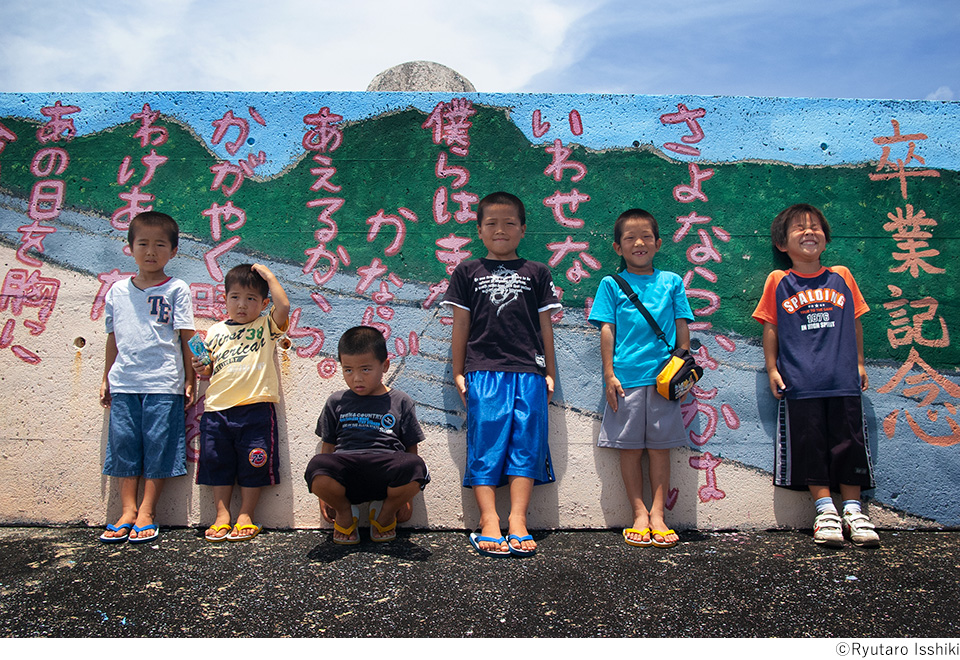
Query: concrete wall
{"type": "Point", "coordinates": [362, 203]}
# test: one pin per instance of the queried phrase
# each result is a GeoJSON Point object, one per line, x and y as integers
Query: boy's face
{"type": "Point", "coordinates": [363, 373]}
{"type": "Point", "coordinates": [501, 231]}
{"type": "Point", "coordinates": [152, 249]}
{"type": "Point", "coordinates": [638, 246]}
{"type": "Point", "coordinates": [245, 305]}
{"type": "Point", "coordinates": [805, 241]}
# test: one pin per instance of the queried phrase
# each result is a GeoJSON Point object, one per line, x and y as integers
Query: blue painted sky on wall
{"type": "Point", "coordinates": [796, 131]}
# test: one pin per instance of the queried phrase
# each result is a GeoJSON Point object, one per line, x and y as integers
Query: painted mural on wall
{"type": "Point", "coordinates": [364, 203]}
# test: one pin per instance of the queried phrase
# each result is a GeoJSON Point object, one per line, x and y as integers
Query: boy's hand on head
{"type": "Point", "coordinates": [262, 271]}
{"type": "Point", "coordinates": [614, 393]}
{"type": "Point", "coordinates": [777, 386]}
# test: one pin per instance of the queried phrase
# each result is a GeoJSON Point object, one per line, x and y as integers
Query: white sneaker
{"type": "Point", "coordinates": [827, 529]}
{"type": "Point", "coordinates": [860, 530]}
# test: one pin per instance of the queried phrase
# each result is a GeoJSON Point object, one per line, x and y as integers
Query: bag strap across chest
{"type": "Point", "coordinates": [635, 299]}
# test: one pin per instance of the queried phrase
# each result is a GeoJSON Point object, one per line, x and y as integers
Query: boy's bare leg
{"type": "Point", "coordinates": [249, 497]}
{"type": "Point", "coordinates": [221, 498]}
{"type": "Point", "coordinates": [397, 499]}
{"type": "Point", "coordinates": [486, 497]}
{"type": "Point", "coordinates": [148, 508]}
{"type": "Point", "coordinates": [521, 489]}
{"type": "Point", "coordinates": [819, 492]}
{"type": "Point", "coordinates": [659, 485]}
{"type": "Point", "coordinates": [129, 487]}
{"type": "Point", "coordinates": [849, 492]}
{"type": "Point", "coordinates": [333, 493]}
{"type": "Point", "coordinates": [631, 471]}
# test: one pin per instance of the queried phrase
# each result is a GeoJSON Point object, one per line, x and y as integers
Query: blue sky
{"type": "Point", "coordinates": [886, 49]}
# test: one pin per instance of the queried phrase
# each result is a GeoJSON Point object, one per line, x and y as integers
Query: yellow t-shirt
{"type": "Point", "coordinates": [244, 370]}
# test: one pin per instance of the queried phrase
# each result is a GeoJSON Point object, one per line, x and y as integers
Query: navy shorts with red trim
{"type": "Point", "coordinates": [239, 445]}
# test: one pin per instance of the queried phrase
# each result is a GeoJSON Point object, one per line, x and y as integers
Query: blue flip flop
{"type": "Point", "coordinates": [118, 528]}
{"type": "Point", "coordinates": [475, 540]}
{"type": "Point", "coordinates": [520, 552]}
{"type": "Point", "coordinates": [146, 539]}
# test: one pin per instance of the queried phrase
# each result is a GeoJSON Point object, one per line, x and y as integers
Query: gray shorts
{"type": "Point", "coordinates": [644, 420]}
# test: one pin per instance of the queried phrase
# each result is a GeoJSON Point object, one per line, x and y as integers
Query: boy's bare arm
{"type": "Point", "coordinates": [683, 334]}
{"type": "Point", "coordinates": [546, 330]}
{"type": "Point", "coordinates": [861, 363]}
{"type": "Point", "coordinates": [190, 376]}
{"type": "Point", "coordinates": [461, 332]}
{"type": "Point", "coordinates": [281, 304]}
{"type": "Point", "coordinates": [110, 356]}
{"type": "Point", "coordinates": [771, 348]}
{"type": "Point", "coordinates": [608, 340]}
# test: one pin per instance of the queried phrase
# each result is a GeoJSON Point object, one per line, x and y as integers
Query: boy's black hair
{"type": "Point", "coordinates": [501, 198]}
{"type": "Point", "coordinates": [634, 214]}
{"type": "Point", "coordinates": [154, 219]}
{"type": "Point", "coordinates": [246, 277]}
{"type": "Point", "coordinates": [778, 229]}
{"type": "Point", "coordinates": [360, 340]}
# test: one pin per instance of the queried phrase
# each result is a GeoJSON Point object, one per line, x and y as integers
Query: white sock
{"type": "Point", "coordinates": [825, 505]}
{"type": "Point", "coordinates": [851, 506]}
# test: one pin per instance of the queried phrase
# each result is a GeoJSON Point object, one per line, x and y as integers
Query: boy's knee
{"type": "Point", "coordinates": [405, 491]}
{"type": "Point", "coordinates": [324, 485]}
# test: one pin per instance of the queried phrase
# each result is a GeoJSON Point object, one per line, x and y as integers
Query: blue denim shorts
{"type": "Point", "coordinates": [506, 428]}
{"type": "Point", "coordinates": [147, 436]}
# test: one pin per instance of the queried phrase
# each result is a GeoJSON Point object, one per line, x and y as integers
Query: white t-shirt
{"type": "Point", "coordinates": [146, 324]}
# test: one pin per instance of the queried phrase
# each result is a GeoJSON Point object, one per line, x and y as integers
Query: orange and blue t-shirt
{"type": "Point", "coordinates": [815, 317]}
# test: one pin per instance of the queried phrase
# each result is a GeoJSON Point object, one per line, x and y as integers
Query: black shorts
{"type": "Point", "coordinates": [822, 442]}
{"type": "Point", "coordinates": [367, 475]}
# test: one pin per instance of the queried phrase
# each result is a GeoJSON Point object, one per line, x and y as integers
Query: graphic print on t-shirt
{"type": "Point", "coordinates": [160, 308]}
{"type": "Point", "coordinates": [503, 286]}
{"type": "Point", "coordinates": [815, 305]}
{"type": "Point", "coordinates": [249, 341]}
{"type": "Point", "coordinates": [383, 423]}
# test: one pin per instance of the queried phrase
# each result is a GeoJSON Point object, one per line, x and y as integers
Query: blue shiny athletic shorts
{"type": "Point", "coordinates": [146, 436]}
{"type": "Point", "coordinates": [506, 428]}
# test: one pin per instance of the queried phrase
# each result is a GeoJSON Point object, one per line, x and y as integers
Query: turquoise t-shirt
{"type": "Point", "coordinates": [638, 354]}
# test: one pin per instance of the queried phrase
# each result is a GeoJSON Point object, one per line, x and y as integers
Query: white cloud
{"type": "Point", "coordinates": [943, 93]}
{"type": "Point", "coordinates": [819, 48]}
{"type": "Point", "coordinates": [279, 45]}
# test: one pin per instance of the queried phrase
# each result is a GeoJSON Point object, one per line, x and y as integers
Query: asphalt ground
{"type": "Point", "coordinates": [61, 582]}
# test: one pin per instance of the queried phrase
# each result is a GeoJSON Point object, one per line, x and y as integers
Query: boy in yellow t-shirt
{"type": "Point", "coordinates": [238, 430]}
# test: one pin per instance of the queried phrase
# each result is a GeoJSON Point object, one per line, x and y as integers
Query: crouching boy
{"type": "Point", "coordinates": [369, 450]}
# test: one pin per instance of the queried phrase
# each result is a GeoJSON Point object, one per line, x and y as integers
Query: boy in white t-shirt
{"type": "Point", "coordinates": [147, 378]}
